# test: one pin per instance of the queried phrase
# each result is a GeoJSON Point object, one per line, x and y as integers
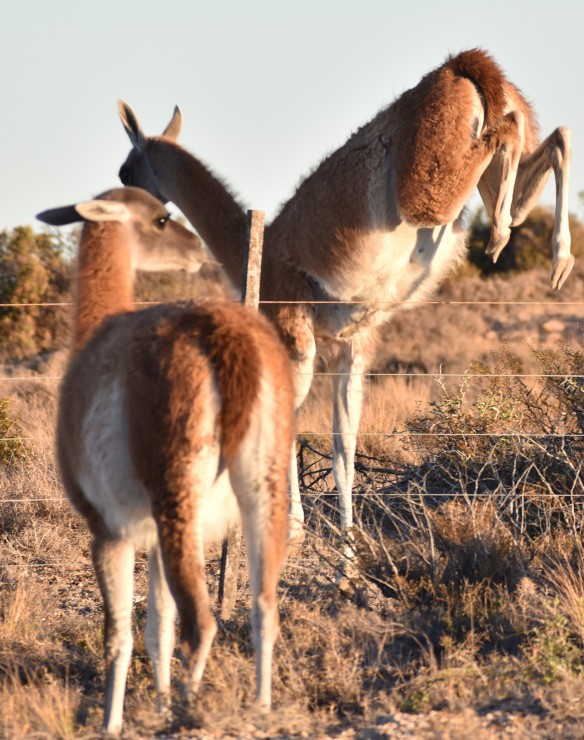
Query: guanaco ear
{"type": "Point", "coordinates": [130, 123]}
{"type": "Point", "coordinates": [103, 210]}
{"type": "Point", "coordinates": [173, 129]}
{"type": "Point", "coordinates": [92, 210]}
{"type": "Point", "coordinates": [60, 216]}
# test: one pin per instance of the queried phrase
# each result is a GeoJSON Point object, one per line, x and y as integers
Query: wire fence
{"type": "Point", "coordinates": [442, 302]}
{"type": "Point", "coordinates": [369, 374]}
{"type": "Point", "coordinates": [48, 441]}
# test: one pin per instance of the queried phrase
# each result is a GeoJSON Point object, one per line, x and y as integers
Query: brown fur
{"type": "Point", "coordinates": [211, 344]}
{"type": "Point", "coordinates": [435, 151]}
{"type": "Point", "coordinates": [481, 69]}
{"type": "Point", "coordinates": [170, 357]}
{"type": "Point", "coordinates": [112, 291]}
{"type": "Point", "coordinates": [177, 350]}
{"type": "Point", "coordinates": [379, 222]}
{"type": "Point", "coordinates": [155, 406]}
{"type": "Point", "coordinates": [228, 231]}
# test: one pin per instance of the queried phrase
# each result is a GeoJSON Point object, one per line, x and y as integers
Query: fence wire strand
{"type": "Point", "coordinates": [387, 493]}
{"type": "Point", "coordinates": [64, 304]}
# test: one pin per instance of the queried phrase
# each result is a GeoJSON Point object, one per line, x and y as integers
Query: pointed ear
{"type": "Point", "coordinates": [130, 123]}
{"type": "Point", "coordinates": [103, 210]}
{"type": "Point", "coordinates": [173, 129]}
{"type": "Point", "coordinates": [60, 216]}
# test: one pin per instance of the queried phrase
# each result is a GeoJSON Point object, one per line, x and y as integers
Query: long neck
{"type": "Point", "coordinates": [218, 218]}
{"type": "Point", "coordinates": [105, 279]}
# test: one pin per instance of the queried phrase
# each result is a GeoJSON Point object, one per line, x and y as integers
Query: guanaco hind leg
{"type": "Point", "coordinates": [349, 365]}
{"type": "Point", "coordinates": [265, 541]}
{"type": "Point", "coordinates": [159, 635]}
{"type": "Point", "coordinates": [182, 546]}
{"type": "Point", "coordinates": [113, 560]}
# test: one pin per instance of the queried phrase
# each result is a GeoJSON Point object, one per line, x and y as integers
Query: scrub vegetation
{"type": "Point", "coordinates": [467, 615]}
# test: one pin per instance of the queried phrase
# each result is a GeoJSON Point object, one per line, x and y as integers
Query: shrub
{"type": "Point", "coordinates": [37, 268]}
{"type": "Point", "coordinates": [515, 438]}
{"type": "Point", "coordinates": [34, 268]}
{"type": "Point", "coordinates": [492, 506]}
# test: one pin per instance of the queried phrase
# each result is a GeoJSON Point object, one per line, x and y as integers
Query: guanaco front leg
{"type": "Point", "coordinates": [497, 184]}
{"type": "Point", "coordinates": [534, 169]}
{"type": "Point", "coordinates": [553, 154]}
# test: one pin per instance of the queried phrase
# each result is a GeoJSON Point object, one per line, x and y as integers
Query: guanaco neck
{"type": "Point", "coordinates": [105, 279]}
{"type": "Point", "coordinates": [218, 218]}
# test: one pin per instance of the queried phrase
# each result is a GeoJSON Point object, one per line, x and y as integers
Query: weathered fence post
{"type": "Point", "coordinates": [250, 295]}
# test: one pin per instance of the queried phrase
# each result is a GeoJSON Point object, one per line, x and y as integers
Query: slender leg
{"type": "Point", "coordinates": [347, 404]}
{"type": "Point", "coordinates": [265, 626]}
{"type": "Point", "coordinates": [303, 374]}
{"type": "Point", "coordinates": [181, 543]}
{"type": "Point", "coordinates": [553, 154]}
{"type": "Point", "coordinates": [179, 488]}
{"type": "Point", "coordinates": [114, 566]}
{"type": "Point", "coordinates": [504, 166]}
{"type": "Point", "coordinates": [296, 529]}
{"type": "Point", "coordinates": [159, 635]}
{"type": "Point", "coordinates": [264, 523]}
{"type": "Point", "coordinates": [259, 477]}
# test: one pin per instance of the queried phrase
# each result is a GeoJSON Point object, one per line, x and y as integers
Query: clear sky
{"type": "Point", "coordinates": [267, 88]}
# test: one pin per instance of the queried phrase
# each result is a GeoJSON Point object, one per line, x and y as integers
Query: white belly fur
{"type": "Point", "coordinates": [390, 268]}
{"type": "Point", "coordinates": [398, 265]}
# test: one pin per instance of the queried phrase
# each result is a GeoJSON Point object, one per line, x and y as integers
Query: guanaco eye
{"type": "Point", "coordinates": [161, 222]}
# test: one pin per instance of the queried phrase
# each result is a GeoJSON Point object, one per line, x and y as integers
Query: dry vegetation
{"type": "Point", "coordinates": [468, 617]}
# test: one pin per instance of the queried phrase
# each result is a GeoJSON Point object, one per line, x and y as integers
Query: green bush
{"type": "Point", "coordinates": [34, 268]}
{"type": "Point", "coordinates": [38, 268]}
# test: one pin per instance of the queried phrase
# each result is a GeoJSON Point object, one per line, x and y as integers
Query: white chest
{"type": "Point", "coordinates": [387, 272]}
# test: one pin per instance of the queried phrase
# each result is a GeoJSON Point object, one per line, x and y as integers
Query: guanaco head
{"type": "Point", "coordinates": [155, 241]}
{"type": "Point", "coordinates": [137, 169]}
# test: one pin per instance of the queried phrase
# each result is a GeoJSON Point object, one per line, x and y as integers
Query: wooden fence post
{"type": "Point", "coordinates": [250, 296]}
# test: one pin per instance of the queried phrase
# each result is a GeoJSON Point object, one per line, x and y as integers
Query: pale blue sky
{"type": "Point", "coordinates": [266, 88]}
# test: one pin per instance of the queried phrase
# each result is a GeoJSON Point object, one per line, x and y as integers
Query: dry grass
{"type": "Point", "coordinates": [450, 336]}
{"type": "Point", "coordinates": [468, 616]}
{"type": "Point", "coordinates": [38, 709]}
